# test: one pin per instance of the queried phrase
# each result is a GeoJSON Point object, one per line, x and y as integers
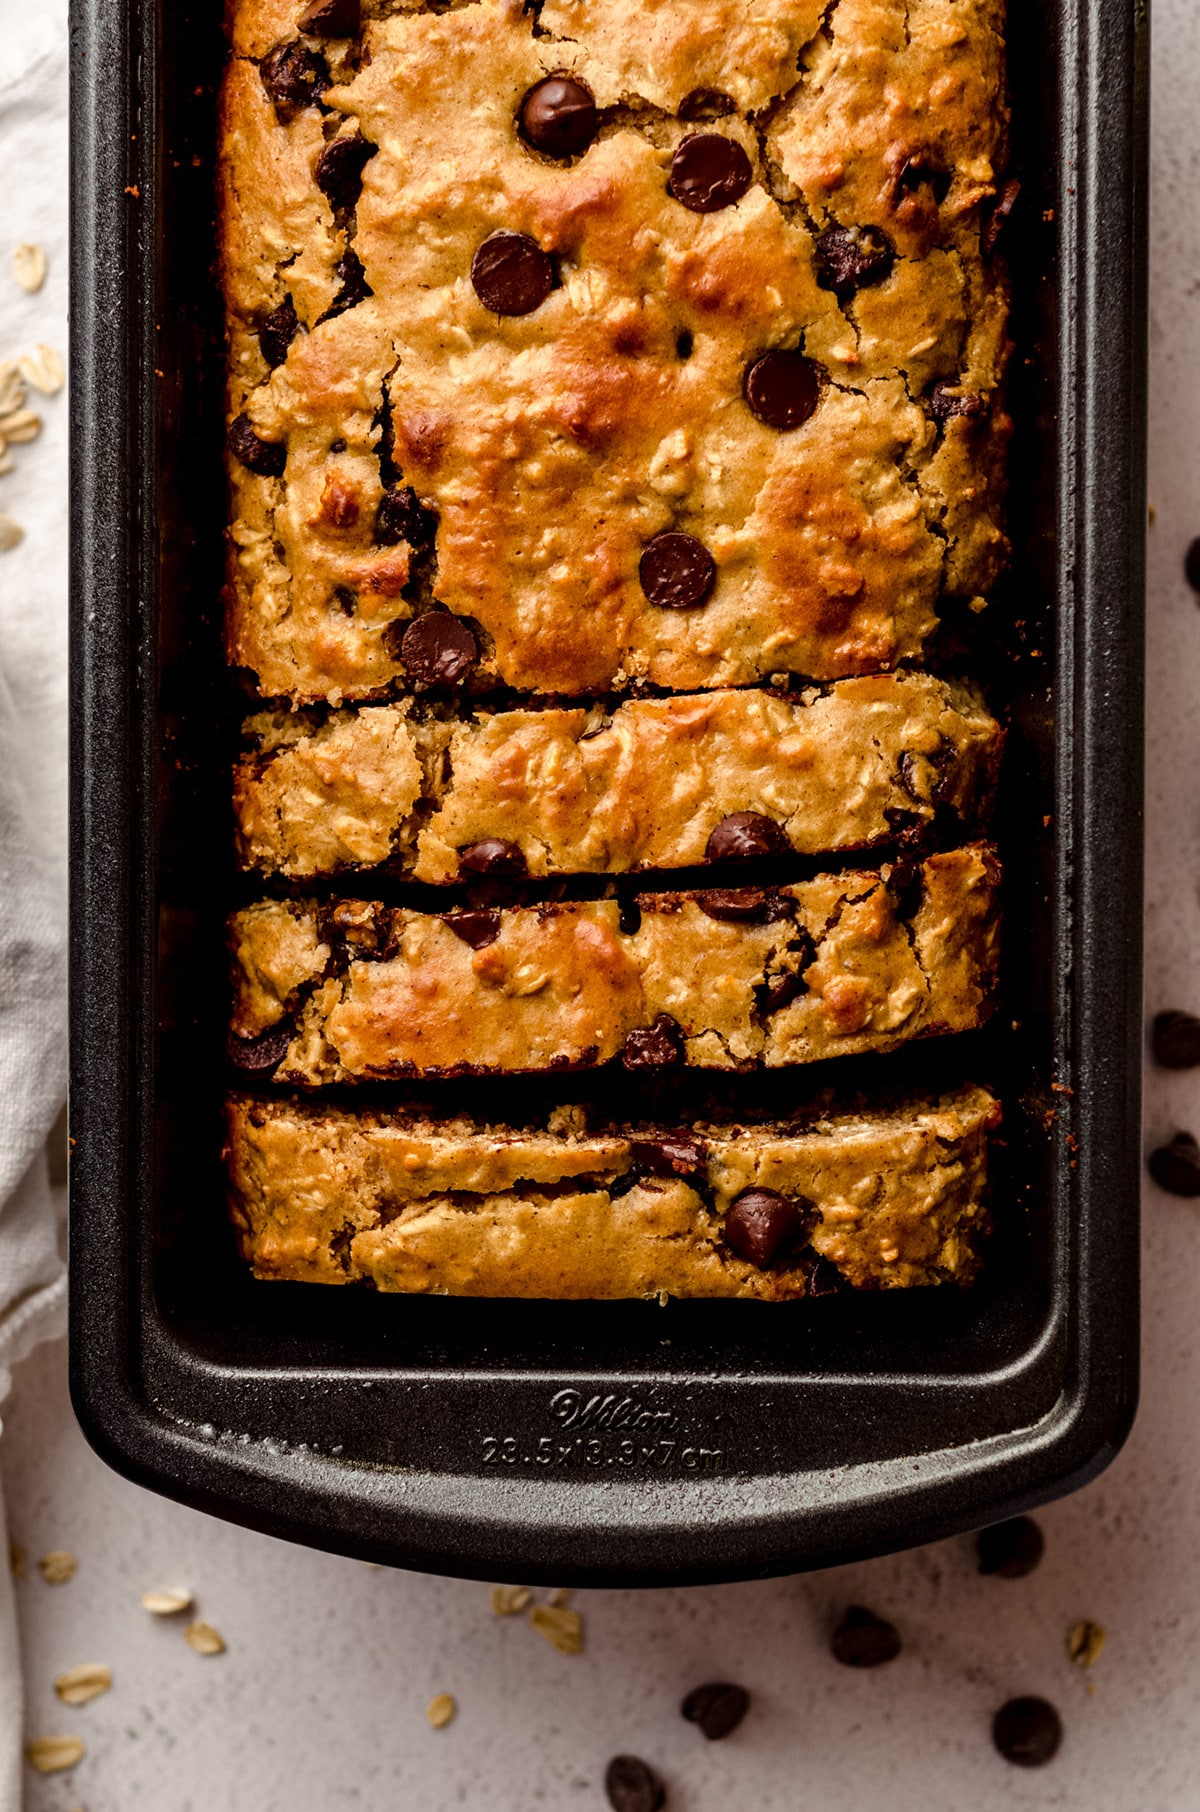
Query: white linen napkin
{"type": "Point", "coordinates": [33, 157]}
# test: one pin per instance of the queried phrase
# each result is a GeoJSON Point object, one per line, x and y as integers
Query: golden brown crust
{"type": "Point", "coordinates": [891, 1200]}
{"type": "Point", "coordinates": [829, 967]}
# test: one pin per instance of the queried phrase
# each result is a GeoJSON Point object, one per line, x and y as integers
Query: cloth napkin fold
{"type": "Point", "coordinates": [33, 590]}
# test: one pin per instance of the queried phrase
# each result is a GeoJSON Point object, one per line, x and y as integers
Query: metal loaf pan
{"type": "Point", "coordinates": [592, 1443]}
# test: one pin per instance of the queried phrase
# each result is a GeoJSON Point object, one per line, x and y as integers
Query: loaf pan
{"type": "Point", "coordinates": [598, 1443]}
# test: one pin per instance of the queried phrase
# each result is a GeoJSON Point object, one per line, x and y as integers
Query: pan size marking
{"type": "Point", "coordinates": [600, 1451]}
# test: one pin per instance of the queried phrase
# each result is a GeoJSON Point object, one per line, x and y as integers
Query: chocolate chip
{"type": "Point", "coordinates": [998, 216]}
{"type": "Point", "coordinates": [346, 599]}
{"type": "Point", "coordinates": [709, 171]}
{"type": "Point", "coordinates": [1027, 1731]}
{"type": "Point", "coordinates": [492, 857]}
{"type": "Point", "coordinates": [1012, 1549]}
{"type": "Point", "coordinates": [558, 116]}
{"type": "Point", "coordinates": [354, 923]}
{"type": "Point", "coordinates": [850, 258]}
{"type": "Point", "coordinates": [632, 1785]}
{"type": "Point", "coordinates": [906, 888]}
{"type": "Point", "coordinates": [1191, 565]}
{"type": "Point", "coordinates": [947, 404]}
{"type": "Point", "coordinates": [438, 649]}
{"type": "Point", "coordinates": [742, 905]}
{"type": "Point", "coordinates": [919, 171]}
{"type": "Point", "coordinates": [779, 991]}
{"type": "Point", "coordinates": [259, 1056]}
{"type": "Point", "coordinates": [782, 389]}
{"type": "Point", "coordinates": [909, 775]}
{"type": "Point", "coordinates": [1175, 1040]}
{"type": "Point", "coordinates": [354, 286]}
{"type": "Point", "coordinates": [1176, 1167]}
{"type": "Point", "coordinates": [825, 1279]}
{"type": "Point", "coordinates": [479, 929]}
{"type": "Point", "coordinates": [266, 457]}
{"type": "Point", "coordinates": [403, 517]}
{"type": "Point", "coordinates": [677, 571]}
{"type": "Point", "coordinates": [294, 76]}
{"type": "Point", "coordinates": [706, 104]}
{"type": "Point", "coordinates": [762, 1224]}
{"type": "Point", "coordinates": [278, 331]}
{"type": "Point", "coordinates": [744, 835]}
{"type": "Point", "coordinates": [685, 344]}
{"type": "Point", "coordinates": [653, 1047]}
{"type": "Point", "coordinates": [340, 168]}
{"type": "Point", "coordinates": [717, 1708]}
{"type": "Point", "coordinates": [629, 916]}
{"type": "Point", "coordinates": [511, 274]}
{"type": "Point", "coordinates": [862, 1639]}
{"type": "Point", "coordinates": [674, 1156]}
{"type": "Point", "coordinates": [332, 18]}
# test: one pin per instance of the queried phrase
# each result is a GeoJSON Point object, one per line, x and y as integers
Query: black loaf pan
{"type": "Point", "coordinates": [596, 1443]}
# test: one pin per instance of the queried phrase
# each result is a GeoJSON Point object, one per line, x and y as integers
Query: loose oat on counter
{"type": "Point", "coordinates": [58, 1566]}
{"type": "Point", "coordinates": [79, 1685]}
{"type": "Point", "coordinates": [29, 267]}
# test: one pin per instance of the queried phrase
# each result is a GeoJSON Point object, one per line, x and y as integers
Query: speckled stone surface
{"type": "Point", "coordinates": [318, 1704]}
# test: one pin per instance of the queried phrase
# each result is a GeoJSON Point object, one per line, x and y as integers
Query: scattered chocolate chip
{"type": "Point", "coordinates": [294, 76]}
{"type": "Point", "coordinates": [825, 1279]}
{"type": "Point", "coordinates": [354, 286]}
{"type": "Point", "coordinates": [338, 445]}
{"type": "Point", "coordinates": [761, 1225]}
{"type": "Point", "coordinates": [862, 1639]}
{"type": "Point", "coordinates": [717, 1708]}
{"type": "Point", "coordinates": [850, 258]}
{"type": "Point", "coordinates": [918, 171]}
{"type": "Point", "coordinates": [632, 1785]}
{"type": "Point", "coordinates": [706, 104]}
{"type": "Point", "coordinates": [492, 857]}
{"type": "Point", "coordinates": [340, 168]}
{"type": "Point", "coordinates": [266, 457]}
{"type": "Point", "coordinates": [511, 274]}
{"type": "Point", "coordinates": [906, 888]}
{"type": "Point", "coordinates": [779, 991]}
{"type": "Point", "coordinates": [653, 1047]}
{"type": "Point", "coordinates": [909, 776]}
{"type": "Point", "coordinates": [998, 216]}
{"type": "Point", "coordinates": [1012, 1549]}
{"type": "Point", "coordinates": [479, 929]}
{"type": "Point", "coordinates": [685, 344]}
{"type": "Point", "coordinates": [1175, 1040]}
{"type": "Point", "coordinates": [403, 517]}
{"type": "Point", "coordinates": [332, 18]}
{"type": "Point", "coordinates": [1191, 565]}
{"type": "Point", "coordinates": [558, 116]}
{"type": "Point", "coordinates": [677, 1156]}
{"type": "Point", "coordinates": [277, 332]}
{"type": "Point", "coordinates": [742, 905]}
{"type": "Point", "coordinates": [438, 649]}
{"type": "Point", "coordinates": [709, 171]}
{"type": "Point", "coordinates": [1027, 1731]}
{"type": "Point", "coordinates": [947, 404]}
{"type": "Point", "coordinates": [629, 916]}
{"type": "Point", "coordinates": [258, 1056]}
{"type": "Point", "coordinates": [1176, 1167]}
{"type": "Point", "coordinates": [782, 389]}
{"type": "Point", "coordinates": [677, 571]}
{"type": "Point", "coordinates": [744, 835]}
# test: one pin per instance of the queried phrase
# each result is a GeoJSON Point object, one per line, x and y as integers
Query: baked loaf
{"type": "Point", "coordinates": [875, 1200]}
{"type": "Point", "coordinates": [652, 783]}
{"type": "Point", "coordinates": [692, 385]}
{"type": "Point", "coordinates": [725, 979]}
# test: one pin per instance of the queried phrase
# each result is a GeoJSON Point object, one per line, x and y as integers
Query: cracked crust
{"type": "Point", "coordinates": [890, 1199]}
{"type": "Point", "coordinates": [553, 445]}
{"type": "Point", "coordinates": [641, 787]}
{"type": "Point", "coordinates": [834, 966]}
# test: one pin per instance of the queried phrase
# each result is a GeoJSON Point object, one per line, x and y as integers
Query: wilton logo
{"type": "Point", "coordinates": [572, 1409]}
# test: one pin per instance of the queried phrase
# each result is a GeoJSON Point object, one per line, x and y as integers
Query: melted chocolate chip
{"type": "Point", "coordinates": [653, 1047]}
{"type": "Point", "coordinates": [511, 274]}
{"type": "Point", "coordinates": [743, 905]}
{"type": "Point", "coordinates": [403, 517]}
{"type": "Point", "coordinates": [355, 288]}
{"type": "Point", "coordinates": [779, 991]}
{"type": "Point", "coordinates": [340, 168]}
{"type": "Point", "coordinates": [744, 835]}
{"type": "Point", "coordinates": [918, 172]}
{"type": "Point", "coordinates": [479, 929]}
{"type": "Point", "coordinates": [850, 258]}
{"type": "Point", "coordinates": [946, 404]}
{"type": "Point", "coordinates": [761, 1225]}
{"type": "Point", "coordinates": [706, 104]}
{"type": "Point", "coordinates": [1012, 1549]}
{"type": "Point", "coordinates": [677, 571]}
{"type": "Point", "coordinates": [493, 858]}
{"type": "Point", "coordinates": [709, 171]}
{"type": "Point", "coordinates": [998, 216]}
{"type": "Point", "coordinates": [782, 389]}
{"type": "Point", "coordinates": [1027, 1731]}
{"type": "Point", "coordinates": [295, 77]}
{"type": "Point", "coordinates": [278, 331]}
{"type": "Point", "coordinates": [632, 1785]}
{"type": "Point", "coordinates": [629, 916]}
{"type": "Point", "coordinates": [266, 457]}
{"type": "Point", "coordinates": [906, 888]}
{"type": "Point", "coordinates": [685, 343]}
{"type": "Point", "coordinates": [354, 923]}
{"type": "Point", "coordinates": [259, 1056]}
{"type": "Point", "coordinates": [825, 1279]}
{"type": "Point", "coordinates": [863, 1640]}
{"type": "Point", "coordinates": [332, 18]}
{"type": "Point", "coordinates": [1175, 1167]}
{"type": "Point", "coordinates": [438, 649]}
{"type": "Point", "coordinates": [1175, 1040]}
{"type": "Point", "coordinates": [718, 1708]}
{"type": "Point", "coordinates": [676, 1156]}
{"type": "Point", "coordinates": [909, 776]}
{"type": "Point", "coordinates": [558, 117]}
